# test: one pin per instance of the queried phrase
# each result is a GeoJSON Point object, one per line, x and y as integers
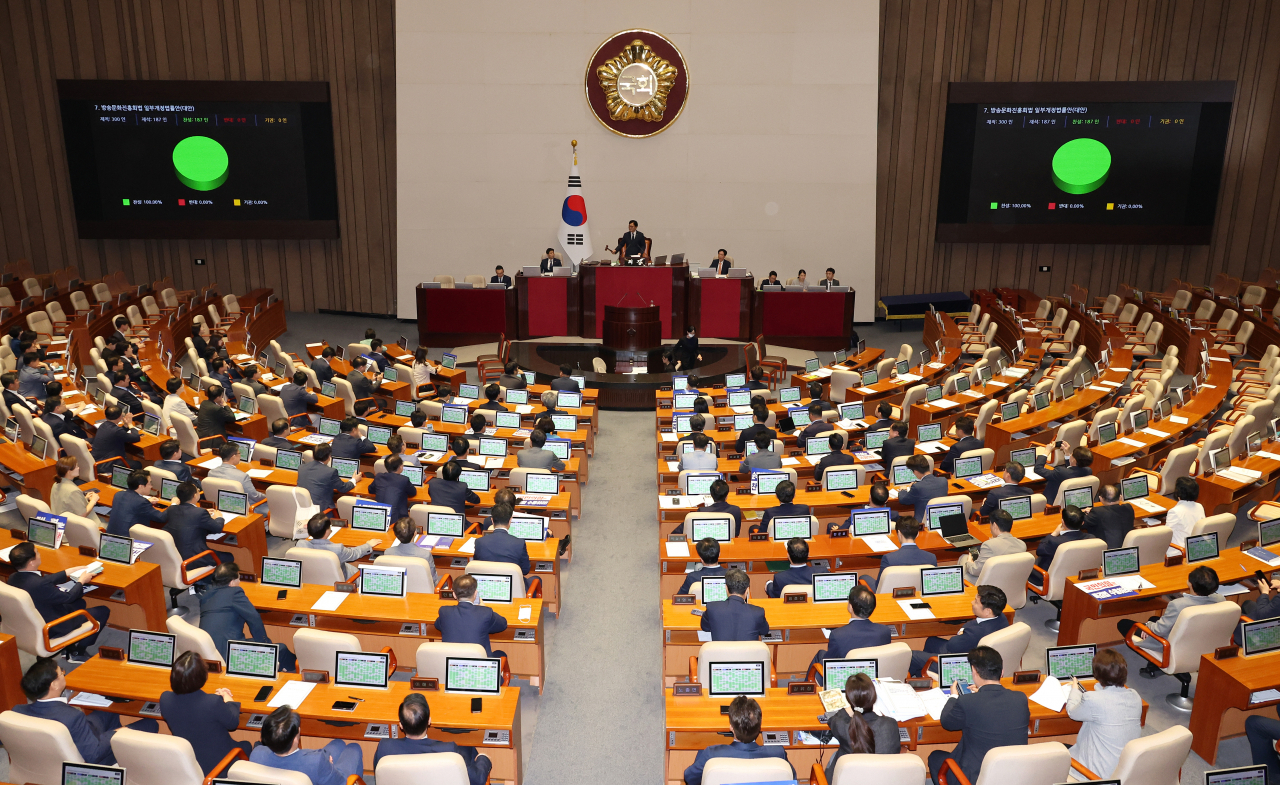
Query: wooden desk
{"type": "Point", "coordinates": [483, 315]}
{"type": "Point", "coordinates": [1222, 700]}
{"type": "Point", "coordinates": [1220, 494]}
{"type": "Point", "coordinates": [320, 723]}
{"type": "Point", "coordinates": [383, 621]}
{"type": "Point", "coordinates": [866, 359]}
{"type": "Point", "coordinates": [720, 307]}
{"type": "Point", "coordinates": [26, 472]}
{"type": "Point", "coordinates": [812, 319]}
{"type": "Point", "coordinates": [10, 674]}
{"type": "Point", "coordinates": [604, 284]}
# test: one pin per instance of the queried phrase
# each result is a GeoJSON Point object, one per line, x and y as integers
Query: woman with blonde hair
{"type": "Point", "coordinates": [67, 498]}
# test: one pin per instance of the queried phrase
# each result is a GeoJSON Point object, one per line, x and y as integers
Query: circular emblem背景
{"type": "Point", "coordinates": [1081, 166]}
{"type": "Point", "coordinates": [201, 163]}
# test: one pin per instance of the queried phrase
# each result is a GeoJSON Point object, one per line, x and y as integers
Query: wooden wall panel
{"type": "Point", "coordinates": [348, 43]}
{"type": "Point", "coordinates": [927, 43]}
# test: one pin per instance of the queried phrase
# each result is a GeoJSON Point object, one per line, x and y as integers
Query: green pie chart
{"type": "Point", "coordinates": [1081, 166]}
{"type": "Point", "coordinates": [200, 163]}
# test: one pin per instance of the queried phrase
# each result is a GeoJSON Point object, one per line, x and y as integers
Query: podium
{"type": "Point", "coordinates": [632, 328]}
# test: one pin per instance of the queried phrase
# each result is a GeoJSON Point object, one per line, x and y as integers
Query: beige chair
{"type": "Point", "coordinates": [348, 395]}
{"type": "Point", "coordinates": [1044, 763]}
{"type": "Point", "coordinates": [899, 577]}
{"type": "Point", "coordinates": [1068, 561]}
{"type": "Point", "coordinates": [893, 660]}
{"type": "Point", "coordinates": [437, 768]}
{"type": "Point", "coordinates": [247, 771]}
{"type": "Point", "coordinates": [32, 287]}
{"type": "Point", "coordinates": [859, 769]}
{"type": "Point", "coordinates": [6, 298]}
{"type": "Point", "coordinates": [289, 509]}
{"type": "Point", "coordinates": [1064, 343]}
{"type": "Point", "coordinates": [1152, 543]}
{"type": "Point", "coordinates": [101, 293]}
{"type": "Point", "coordinates": [320, 567]}
{"type": "Point", "coordinates": [18, 617]}
{"type": "Point", "coordinates": [416, 572]}
{"type": "Point", "coordinates": [980, 344]}
{"type": "Point", "coordinates": [175, 572]}
{"type": "Point", "coordinates": [431, 656]}
{"type": "Point", "coordinates": [730, 651]}
{"type": "Point", "coordinates": [81, 532]}
{"type": "Point", "coordinates": [1010, 572]}
{"type": "Point", "coordinates": [159, 759]}
{"type": "Point", "coordinates": [861, 472]}
{"type": "Point", "coordinates": [317, 649]}
{"type": "Point", "coordinates": [445, 281]}
{"type": "Point", "coordinates": [841, 381]}
{"type": "Point", "coordinates": [37, 747]}
{"type": "Point", "coordinates": [1222, 525]}
{"type": "Point", "coordinates": [28, 506]}
{"type": "Point", "coordinates": [476, 281]}
{"type": "Point", "coordinates": [1090, 482]}
{"type": "Point", "coordinates": [1150, 760]}
{"type": "Point", "coordinates": [815, 527]}
{"type": "Point", "coordinates": [1012, 643]}
{"type": "Point", "coordinates": [478, 567]}
{"type": "Point", "coordinates": [727, 771]}
{"type": "Point", "coordinates": [189, 637]}
{"type": "Point", "coordinates": [1198, 630]}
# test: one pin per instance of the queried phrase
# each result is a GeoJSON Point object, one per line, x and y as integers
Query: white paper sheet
{"type": "Point", "coordinates": [292, 694]}
{"type": "Point", "coordinates": [469, 546]}
{"type": "Point", "coordinates": [89, 699]}
{"type": "Point", "coordinates": [915, 614]}
{"type": "Point", "coordinates": [1173, 418]}
{"type": "Point", "coordinates": [329, 601]}
{"type": "Point", "coordinates": [1147, 506]}
{"type": "Point", "coordinates": [790, 462]}
{"type": "Point", "coordinates": [1131, 442]}
{"type": "Point", "coordinates": [212, 463]}
{"type": "Point", "coordinates": [880, 543]}
{"type": "Point", "coordinates": [934, 700]}
{"type": "Point", "coordinates": [931, 447]}
{"type": "Point", "coordinates": [1051, 695]}
{"type": "Point", "coordinates": [899, 701]}
{"type": "Point", "coordinates": [678, 550]}
{"type": "Point", "coordinates": [258, 474]}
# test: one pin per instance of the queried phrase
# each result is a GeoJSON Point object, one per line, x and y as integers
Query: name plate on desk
{"type": "Point", "coordinates": [1226, 652]}
{"type": "Point", "coordinates": [1174, 560]}
{"type": "Point", "coordinates": [683, 599]}
{"type": "Point", "coordinates": [1026, 677]}
{"type": "Point", "coordinates": [248, 577]}
{"type": "Point", "coordinates": [1087, 575]}
{"type": "Point", "coordinates": [111, 653]}
{"type": "Point", "coordinates": [687, 690]}
{"type": "Point", "coordinates": [315, 677]}
{"type": "Point", "coordinates": [87, 550]}
{"type": "Point", "coordinates": [416, 683]}
{"type": "Point", "coordinates": [758, 537]}
{"type": "Point", "coordinates": [837, 534]}
{"type": "Point", "coordinates": [802, 688]}
{"type": "Point", "coordinates": [344, 588]}
{"type": "Point", "coordinates": [904, 591]}
{"type": "Point", "coordinates": [214, 666]}
{"type": "Point", "coordinates": [795, 597]}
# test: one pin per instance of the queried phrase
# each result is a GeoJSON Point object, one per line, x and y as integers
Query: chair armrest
{"type": "Point", "coordinates": [185, 577]}
{"type": "Point", "coordinates": [535, 589]}
{"type": "Point", "coordinates": [814, 670]}
{"type": "Point", "coordinates": [943, 777]}
{"type": "Point", "coordinates": [472, 530]}
{"type": "Point", "coordinates": [504, 671]}
{"type": "Point", "coordinates": [391, 660]}
{"type": "Point", "coordinates": [817, 776]}
{"type": "Point", "coordinates": [355, 779]}
{"type": "Point", "coordinates": [1043, 589]}
{"type": "Point", "coordinates": [1080, 767]}
{"type": "Point", "coordinates": [693, 669]}
{"type": "Point", "coordinates": [1163, 662]}
{"type": "Point", "coordinates": [257, 504]}
{"type": "Point", "coordinates": [236, 753]}
{"type": "Point", "coordinates": [96, 626]}
{"type": "Point", "coordinates": [444, 583]}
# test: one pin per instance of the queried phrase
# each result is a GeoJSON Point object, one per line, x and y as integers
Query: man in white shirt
{"type": "Point", "coordinates": [1184, 515]}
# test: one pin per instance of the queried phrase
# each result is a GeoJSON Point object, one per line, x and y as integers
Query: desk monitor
{"type": "Point", "coordinates": [120, 476]}
{"type": "Point", "coordinates": [42, 532]}
{"type": "Point", "coordinates": [836, 673]}
{"type": "Point", "coordinates": [840, 356]}
{"type": "Point", "coordinates": [818, 445]}
{"type": "Point", "coordinates": [11, 430]}
{"type": "Point", "coordinates": [787, 526]}
{"type": "Point", "coordinates": [679, 383]}
{"type": "Point", "coordinates": [963, 384]}
{"type": "Point", "coordinates": [445, 524]}
{"type": "Point", "coordinates": [435, 442]}
{"type": "Point", "coordinates": [739, 397]}
{"type": "Point", "coordinates": [457, 415]}
{"type": "Point", "coordinates": [151, 648]}
{"type": "Point", "coordinates": [699, 484]}
{"type": "Point", "coordinates": [382, 581]}
{"type": "Point", "coordinates": [1106, 433]}
{"type": "Point", "coordinates": [954, 668]}
{"type": "Point", "coordinates": [390, 374]}
{"type": "Point", "coordinates": [714, 589]}
{"type": "Point", "coordinates": [100, 395]}
{"type": "Point", "coordinates": [1120, 561]}
{"type": "Point", "coordinates": [1063, 662]}
{"type": "Point", "coordinates": [876, 439]}
{"type": "Point", "coordinates": [560, 447]}
{"type": "Point", "coordinates": [565, 422]}
{"type": "Point", "coordinates": [1134, 487]}
{"type": "Point", "coordinates": [1018, 507]}
{"type": "Point", "coordinates": [361, 669]}
{"type": "Point", "coordinates": [736, 678]}
{"type": "Point", "coordinates": [346, 467]}
{"type": "Point", "coordinates": [475, 480]}
{"type": "Point", "coordinates": [902, 475]}
{"type": "Point", "coordinates": [569, 399]}
{"type": "Point", "coordinates": [851, 411]}
{"type": "Point", "coordinates": [252, 660]}
{"type": "Point", "coordinates": [766, 482]}
{"type": "Point", "coordinates": [938, 581]}
{"type": "Point", "coordinates": [718, 529]}
{"type": "Point", "coordinates": [1163, 408]}
{"type": "Point", "coordinates": [91, 774]}
{"type": "Point", "coordinates": [789, 395]}
{"type": "Point", "coordinates": [1252, 444]}
{"type": "Point", "coordinates": [1221, 459]}
{"type": "Point", "coordinates": [370, 518]}
{"type": "Point", "coordinates": [517, 397]}
{"type": "Point", "coordinates": [537, 482]}
{"type": "Point", "coordinates": [1066, 390]}
{"type": "Point", "coordinates": [507, 420]}
{"type": "Point", "coordinates": [1026, 457]}
{"type": "Point", "coordinates": [967, 467]}
{"type": "Point", "coordinates": [247, 404]}
{"type": "Point", "coordinates": [1078, 497]}
{"type": "Point", "coordinates": [245, 446]}
{"type": "Point", "coordinates": [329, 389]}
{"type": "Point", "coordinates": [475, 675]}
{"type": "Point", "coordinates": [378, 434]}
{"type": "Point", "coordinates": [679, 421]}
{"type": "Point", "coordinates": [330, 427]}
{"type": "Point", "coordinates": [529, 376]}
{"type": "Point", "coordinates": [1140, 419]}
{"type": "Point", "coordinates": [799, 416]}
{"type": "Point", "coordinates": [1041, 400]}
{"type": "Point", "coordinates": [933, 393]}
{"type": "Point", "coordinates": [870, 377]}
{"type": "Point", "coordinates": [841, 479]}
{"type": "Point", "coordinates": [936, 512]}
{"type": "Point", "coordinates": [281, 572]}
{"type": "Point", "coordinates": [116, 549]}
{"type": "Point", "coordinates": [493, 588]}
{"type": "Point", "coordinates": [39, 446]}
{"type": "Point", "coordinates": [530, 528]}
{"type": "Point", "coordinates": [1261, 636]}
{"type": "Point", "coordinates": [985, 373]}
{"type": "Point", "coordinates": [682, 400]}
{"type": "Point", "coordinates": [735, 380]}
{"type": "Point", "coordinates": [1268, 532]}
{"type": "Point", "coordinates": [492, 448]}
{"type": "Point", "coordinates": [151, 424]}
{"type": "Point", "coordinates": [288, 459]}
{"type": "Point", "coordinates": [1202, 547]}
{"type": "Point", "coordinates": [449, 361]}
{"type": "Point", "coordinates": [581, 380]}
{"type": "Point", "coordinates": [832, 586]}
{"type": "Point", "coordinates": [232, 503]}
{"type": "Point", "coordinates": [742, 421]}
{"type": "Point", "coordinates": [869, 521]}
{"type": "Point", "coordinates": [405, 408]}
{"type": "Point", "coordinates": [902, 368]}
{"type": "Point", "coordinates": [930, 432]}
{"type": "Point", "coordinates": [1241, 775]}
{"type": "Point", "coordinates": [1009, 411]}
{"type": "Point", "coordinates": [812, 364]}
{"type": "Point", "coordinates": [168, 488]}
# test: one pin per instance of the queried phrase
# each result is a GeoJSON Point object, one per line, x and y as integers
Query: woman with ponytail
{"type": "Point", "coordinates": [858, 729]}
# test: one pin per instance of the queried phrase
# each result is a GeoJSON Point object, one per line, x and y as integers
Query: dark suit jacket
{"type": "Point", "coordinates": [880, 425]}
{"type": "Point", "coordinates": [957, 449]}
{"type": "Point", "coordinates": [452, 494]}
{"type": "Point", "coordinates": [512, 382]}
{"type": "Point", "coordinates": [779, 511]}
{"type": "Point", "coordinates": [992, 502]}
{"type": "Point", "coordinates": [734, 619]}
{"type": "Point", "coordinates": [721, 267]}
{"type": "Point", "coordinates": [792, 576]}
{"type": "Point", "coordinates": [280, 443]}
{"type": "Point", "coordinates": [323, 371]}
{"type": "Point", "coordinates": [632, 243]}
{"type": "Point", "coordinates": [895, 447]}
{"type": "Point", "coordinates": [1049, 546]}
{"type": "Point", "coordinates": [922, 491]}
{"type": "Point", "coordinates": [989, 718]}
{"type": "Point", "coordinates": [494, 405]}
{"type": "Point", "coordinates": [394, 489]}
{"type": "Point", "coordinates": [564, 383]}
{"type": "Point", "coordinates": [749, 435]}
{"type": "Point", "coordinates": [732, 509]}
{"type": "Point", "coordinates": [738, 749]}
{"type": "Point", "coordinates": [112, 441]}
{"type": "Point", "coordinates": [501, 545]}
{"type": "Point", "coordinates": [322, 482]}
{"type": "Point", "coordinates": [93, 745]}
{"type": "Point", "coordinates": [832, 459]}
{"type": "Point", "coordinates": [59, 426]}
{"type": "Point", "coordinates": [477, 768]}
{"type": "Point", "coordinates": [468, 623]}
{"type": "Point", "coordinates": [813, 430]}
{"type": "Point", "coordinates": [698, 575]}
{"type": "Point", "coordinates": [189, 526]}
{"type": "Point", "coordinates": [348, 445]}
{"type": "Point", "coordinates": [1110, 522]}
{"type": "Point", "coordinates": [505, 280]}
{"type": "Point", "coordinates": [50, 601]}
{"type": "Point", "coordinates": [547, 263]}
{"type": "Point", "coordinates": [12, 399]}
{"type": "Point", "coordinates": [296, 398]}
{"type": "Point", "coordinates": [202, 348]}
{"type": "Point", "coordinates": [360, 385]}
{"type": "Point", "coordinates": [203, 719]}
{"type": "Point", "coordinates": [178, 468]}
{"type": "Point", "coordinates": [130, 508]}
{"type": "Point", "coordinates": [907, 556]}
{"type": "Point", "coordinates": [1053, 478]}
{"type": "Point", "coordinates": [857, 634]}
{"type": "Point", "coordinates": [212, 419]}
{"type": "Point", "coordinates": [971, 634]}
{"type": "Point", "coordinates": [224, 612]}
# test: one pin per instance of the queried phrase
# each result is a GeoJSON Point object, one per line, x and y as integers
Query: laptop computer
{"type": "Point", "coordinates": [955, 531]}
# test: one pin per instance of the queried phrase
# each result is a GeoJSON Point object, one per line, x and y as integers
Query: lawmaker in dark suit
{"type": "Point", "coordinates": [114, 436]}
{"type": "Point", "coordinates": [908, 553]}
{"type": "Point", "coordinates": [837, 457]}
{"type": "Point", "coordinates": [964, 426]}
{"type": "Point", "coordinates": [719, 494]}
{"type": "Point", "coordinates": [171, 461]}
{"type": "Point", "coordinates": [563, 382]}
{"type": "Point", "coordinates": [214, 415]}
{"type": "Point", "coordinates": [225, 610]}
{"type": "Point", "coordinates": [320, 479]}
{"type": "Point", "coordinates": [131, 507]}
{"type": "Point", "coordinates": [549, 262]}
{"type": "Point", "coordinates": [361, 386]}
{"type": "Point", "coordinates": [348, 443]}
{"type": "Point", "coordinates": [205, 719]}
{"type": "Point", "coordinates": [708, 551]}
{"type": "Point", "coordinates": [988, 611]}
{"type": "Point", "coordinates": [500, 276]}
{"type": "Point", "coordinates": [469, 621]}
{"type": "Point", "coordinates": [1076, 466]}
{"type": "Point", "coordinates": [1013, 474]}
{"type": "Point", "coordinates": [296, 397]}
{"type": "Point", "coordinates": [721, 263]}
{"type": "Point", "coordinates": [511, 378]}
{"type": "Point", "coordinates": [491, 393]}
{"type": "Point", "coordinates": [990, 717]}
{"type": "Point", "coordinates": [817, 425]}
{"type": "Point", "coordinates": [190, 524]}
{"type": "Point", "coordinates": [43, 684]}
{"type": "Point", "coordinates": [786, 493]}
{"type": "Point", "coordinates": [279, 429]}
{"type": "Point", "coordinates": [393, 488]}
{"type": "Point", "coordinates": [749, 434]}
{"type": "Point", "coordinates": [320, 365]}
{"type": "Point", "coordinates": [51, 602]}
{"type": "Point", "coordinates": [897, 445]}
{"type": "Point", "coordinates": [60, 421]}
{"type": "Point", "coordinates": [631, 244]}
{"type": "Point", "coordinates": [798, 572]}
{"type": "Point", "coordinates": [500, 545]}
{"type": "Point", "coordinates": [1111, 519]}
{"type": "Point", "coordinates": [447, 491]}
{"type": "Point", "coordinates": [1070, 530]}
{"type": "Point", "coordinates": [926, 488]}
{"type": "Point", "coordinates": [860, 632]}
{"type": "Point", "coordinates": [744, 720]}
{"type": "Point", "coordinates": [885, 413]}
{"type": "Point", "coordinates": [735, 619]}
{"type": "Point", "coordinates": [415, 718]}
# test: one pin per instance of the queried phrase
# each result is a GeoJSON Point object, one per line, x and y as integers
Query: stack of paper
{"type": "Point", "coordinates": [670, 437]}
{"type": "Point", "coordinates": [790, 461]}
{"type": "Point", "coordinates": [880, 543]}
{"type": "Point", "coordinates": [937, 365]}
{"type": "Point", "coordinates": [1237, 474]}
{"type": "Point", "coordinates": [258, 474]}
{"type": "Point", "coordinates": [945, 403]}
{"type": "Point", "coordinates": [866, 391]}
{"type": "Point", "coordinates": [1147, 506]}
{"type": "Point", "coordinates": [986, 481]}
{"type": "Point", "coordinates": [524, 408]}
{"type": "Point", "coordinates": [899, 701]}
{"type": "Point", "coordinates": [908, 377]}
{"type": "Point", "coordinates": [329, 601]}
{"type": "Point", "coordinates": [212, 463]}
{"type": "Point", "coordinates": [934, 700]}
{"type": "Point", "coordinates": [1182, 421]}
{"type": "Point", "coordinates": [1155, 433]}
{"type": "Point", "coordinates": [315, 438]}
{"type": "Point", "coordinates": [741, 409]}
{"type": "Point", "coordinates": [469, 546]}
{"type": "Point", "coordinates": [821, 373]}
{"type": "Point", "coordinates": [932, 447]}
{"type": "Point", "coordinates": [1270, 456]}
{"type": "Point", "coordinates": [1261, 696]}
{"type": "Point", "coordinates": [90, 699]}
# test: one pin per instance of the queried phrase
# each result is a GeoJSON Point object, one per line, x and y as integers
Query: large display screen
{"type": "Point", "coordinates": [200, 159]}
{"type": "Point", "coordinates": [1082, 162]}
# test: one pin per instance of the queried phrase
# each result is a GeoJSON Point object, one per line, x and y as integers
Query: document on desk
{"type": "Point", "coordinates": [915, 614]}
{"type": "Point", "coordinates": [1030, 474]}
{"type": "Point", "coordinates": [258, 474]}
{"type": "Point", "coordinates": [986, 481]}
{"type": "Point", "coordinates": [469, 546]}
{"type": "Point", "coordinates": [1016, 372]}
{"type": "Point", "coordinates": [672, 466]}
{"type": "Point", "coordinates": [524, 408]}
{"type": "Point", "coordinates": [1232, 589]}
{"type": "Point", "coordinates": [879, 543]}
{"type": "Point", "coordinates": [679, 502]}
{"type": "Point", "coordinates": [1270, 456]}
{"type": "Point", "coordinates": [316, 438]}
{"type": "Point", "coordinates": [741, 409]}
{"type": "Point", "coordinates": [934, 700]}
{"type": "Point", "coordinates": [945, 403]}
{"type": "Point", "coordinates": [91, 699]}
{"type": "Point", "coordinates": [1262, 696]}
{"type": "Point", "coordinates": [899, 701]}
{"type": "Point", "coordinates": [292, 694]}
{"type": "Point", "coordinates": [1155, 433]}
{"type": "Point", "coordinates": [1173, 418]}
{"type": "Point", "coordinates": [1000, 385]}
{"type": "Point", "coordinates": [1147, 506]}
{"type": "Point", "coordinates": [1052, 694]}
{"type": "Point", "coordinates": [851, 425]}
{"type": "Point", "coordinates": [1237, 474]}
{"type": "Point", "coordinates": [212, 463]}
{"type": "Point", "coordinates": [931, 447]}
{"type": "Point", "coordinates": [866, 391]}
{"type": "Point", "coordinates": [790, 461]}
{"type": "Point", "coordinates": [1111, 384]}
{"type": "Point", "coordinates": [1131, 442]}
{"type": "Point", "coordinates": [937, 365]}
{"type": "Point", "coordinates": [329, 601]}
{"type": "Point", "coordinates": [704, 637]}
{"type": "Point", "coordinates": [669, 437]}
{"type": "Point", "coordinates": [4, 554]}
{"type": "Point", "coordinates": [906, 378]}
{"type": "Point", "coordinates": [678, 550]}
{"type": "Point", "coordinates": [821, 373]}
{"type": "Point", "coordinates": [1099, 389]}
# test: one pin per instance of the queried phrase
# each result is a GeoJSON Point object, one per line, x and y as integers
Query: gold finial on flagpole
{"type": "Point", "coordinates": [575, 152]}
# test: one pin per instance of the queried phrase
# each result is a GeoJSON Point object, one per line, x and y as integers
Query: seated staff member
{"type": "Point", "coordinates": [43, 685]}
{"type": "Point", "coordinates": [1013, 474]}
{"type": "Point", "coordinates": [708, 551]}
{"type": "Point", "coordinates": [1067, 531]}
{"type": "Point", "coordinates": [478, 426]}
{"type": "Point", "coordinates": [320, 365]}
{"type": "Point", "coordinates": [798, 571]}
{"type": "Point", "coordinates": [369, 335]}
{"type": "Point", "coordinates": [734, 619]}
{"type": "Point", "coordinates": [988, 717]}
{"type": "Point", "coordinates": [415, 718]}
{"type": "Point", "coordinates": [786, 494]}
{"type": "Point", "coordinates": [66, 497]}
{"type": "Point", "coordinates": [772, 280]}
{"type": "Point", "coordinates": [378, 354]}
{"type": "Point", "coordinates": [511, 378]}
{"type": "Point", "coordinates": [745, 719]}
{"type": "Point", "coordinates": [500, 276]}
{"type": "Point", "coordinates": [548, 262]}
{"type": "Point", "coordinates": [422, 369]}
{"type": "Point", "coordinates": [320, 479]}
{"type": "Point", "coordinates": [132, 506]}
{"type": "Point", "coordinates": [837, 456]}
{"type": "Point", "coordinates": [1203, 585]}
{"type": "Point", "coordinates": [698, 458]}
{"type": "Point", "coordinates": [470, 620]}
{"type": "Point", "coordinates": [879, 498]}
{"type": "Point", "coordinates": [1077, 465]}
{"type": "Point", "coordinates": [760, 414]}
{"type": "Point", "coordinates": [1001, 543]}
{"type": "Point", "coordinates": [499, 545]}
{"type": "Point", "coordinates": [51, 602]}
{"type": "Point", "coordinates": [927, 486]}
{"type": "Point", "coordinates": [318, 529]}
{"type": "Point", "coordinates": [281, 748]}
{"type": "Point", "coordinates": [205, 719]}
{"type": "Point", "coordinates": [1111, 519]}
{"type": "Point", "coordinates": [830, 279]}
{"type": "Point", "coordinates": [348, 443]}
{"type": "Point", "coordinates": [964, 427]}
{"type": "Point", "coordinates": [296, 397]}
{"type": "Point", "coordinates": [406, 530]}
{"type": "Point", "coordinates": [249, 378]}
{"type": "Point", "coordinates": [801, 278]}
{"type": "Point", "coordinates": [171, 461]}
{"type": "Point", "coordinates": [279, 432]}
{"type": "Point", "coordinates": [697, 424]}
{"type": "Point", "coordinates": [225, 611]}
{"type": "Point", "coordinates": [763, 458]}
{"type": "Point", "coordinates": [189, 524]}
{"type": "Point", "coordinates": [988, 611]}
{"type": "Point", "coordinates": [491, 393]}
{"type": "Point", "coordinates": [391, 487]}
{"type": "Point", "coordinates": [115, 434]}
{"type": "Point", "coordinates": [215, 415]}
{"type": "Point", "coordinates": [447, 491]}
{"type": "Point", "coordinates": [721, 264]}
{"type": "Point", "coordinates": [859, 633]}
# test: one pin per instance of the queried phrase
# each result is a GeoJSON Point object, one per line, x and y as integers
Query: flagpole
{"type": "Point", "coordinates": [575, 151]}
